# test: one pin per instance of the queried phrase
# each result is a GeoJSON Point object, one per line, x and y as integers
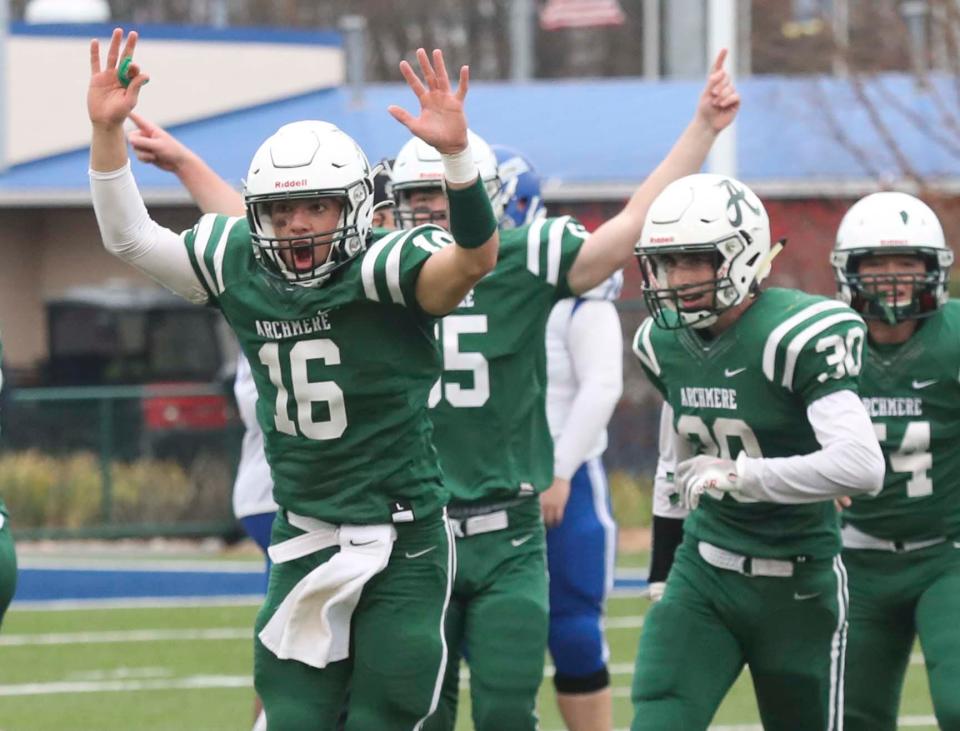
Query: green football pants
{"type": "Point", "coordinates": [397, 649]}
{"type": "Point", "coordinates": [790, 631]}
{"type": "Point", "coordinates": [894, 597]}
{"type": "Point", "coordinates": [498, 621]}
{"type": "Point", "coordinates": [8, 567]}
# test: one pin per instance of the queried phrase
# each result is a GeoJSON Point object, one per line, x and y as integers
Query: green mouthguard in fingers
{"type": "Point", "coordinates": [123, 71]}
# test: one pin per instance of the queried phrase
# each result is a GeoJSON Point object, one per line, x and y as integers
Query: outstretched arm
{"type": "Point", "coordinates": [127, 229]}
{"type": "Point", "coordinates": [212, 194]}
{"type": "Point", "coordinates": [610, 247]}
{"type": "Point", "coordinates": [449, 274]}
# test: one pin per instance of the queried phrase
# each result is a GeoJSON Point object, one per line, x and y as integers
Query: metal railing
{"type": "Point", "coordinates": [161, 459]}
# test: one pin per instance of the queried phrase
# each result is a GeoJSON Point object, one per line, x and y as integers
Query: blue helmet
{"type": "Point", "coordinates": [519, 192]}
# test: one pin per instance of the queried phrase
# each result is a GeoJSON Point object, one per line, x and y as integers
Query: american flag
{"type": "Point", "coordinates": [556, 14]}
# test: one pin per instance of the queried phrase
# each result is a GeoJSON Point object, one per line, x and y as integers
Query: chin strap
{"type": "Point", "coordinates": [765, 264]}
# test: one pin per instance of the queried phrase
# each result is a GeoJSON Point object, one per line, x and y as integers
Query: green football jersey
{"type": "Point", "coordinates": [489, 407]}
{"type": "Point", "coordinates": [912, 393]}
{"type": "Point", "coordinates": [748, 390]}
{"type": "Point", "coordinates": [342, 372]}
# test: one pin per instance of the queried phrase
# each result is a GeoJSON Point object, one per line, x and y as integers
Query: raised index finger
{"type": "Point", "coordinates": [721, 57]}
{"type": "Point", "coordinates": [146, 126]}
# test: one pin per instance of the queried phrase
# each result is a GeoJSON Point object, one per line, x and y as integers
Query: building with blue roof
{"type": "Point", "coordinates": [807, 145]}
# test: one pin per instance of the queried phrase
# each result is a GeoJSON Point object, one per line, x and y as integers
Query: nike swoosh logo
{"type": "Point", "coordinates": [923, 384]}
{"type": "Point", "coordinates": [804, 597]}
{"type": "Point", "coordinates": [520, 541]}
{"type": "Point", "coordinates": [364, 543]}
{"type": "Point", "coordinates": [418, 554]}
{"type": "Point", "coordinates": [729, 373]}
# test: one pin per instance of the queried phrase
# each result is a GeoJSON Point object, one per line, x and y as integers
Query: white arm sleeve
{"type": "Point", "coordinates": [849, 462]}
{"type": "Point", "coordinates": [663, 487]}
{"type": "Point", "coordinates": [129, 233]}
{"type": "Point", "coordinates": [253, 486]}
{"type": "Point", "coordinates": [595, 344]}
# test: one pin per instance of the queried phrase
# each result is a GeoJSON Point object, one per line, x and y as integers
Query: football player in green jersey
{"type": "Point", "coordinates": [767, 430]}
{"type": "Point", "coordinates": [902, 549]}
{"type": "Point", "coordinates": [8, 555]}
{"type": "Point", "coordinates": [337, 324]}
{"type": "Point", "coordinates": [493, 385]}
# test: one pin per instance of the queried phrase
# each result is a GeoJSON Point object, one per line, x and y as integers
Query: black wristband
{"type": "Point", "coordinates": [667, 536]}
{"type": "Point", "coordinates": [472, 222]}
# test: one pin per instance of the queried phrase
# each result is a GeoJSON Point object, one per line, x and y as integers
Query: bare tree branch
{"type": "Point", "coordinates": [842, 138]}
{"type": "Point", "coordinates": [881, 128]}
{"type": "Point", "coordinates": [921, 123]}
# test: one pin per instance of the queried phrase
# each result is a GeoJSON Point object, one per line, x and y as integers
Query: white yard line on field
{"type": "Point", "coordinates": [149, 602]}
{"type": "Point", "coordinates": [125, 686]}
{"type": "Point", "coordinates": [135, 635]}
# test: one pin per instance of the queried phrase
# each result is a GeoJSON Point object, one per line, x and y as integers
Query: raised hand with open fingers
{"type": "Point", "coordinates": [719, 101]}
{"type": "Point", "coordinates": [441, 123]}
{"type": "Point", "coordinates": [109, 102]}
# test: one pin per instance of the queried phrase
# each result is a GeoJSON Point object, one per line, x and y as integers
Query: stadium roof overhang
{"type": "Point", "coordinates": [797, 137]}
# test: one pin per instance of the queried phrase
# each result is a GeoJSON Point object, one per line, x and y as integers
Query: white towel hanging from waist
{"type": "Point", "coordinates": [312, 624]}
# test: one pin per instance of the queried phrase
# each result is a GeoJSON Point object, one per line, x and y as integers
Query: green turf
{"type": "Point", "coordinates": [162, 663]}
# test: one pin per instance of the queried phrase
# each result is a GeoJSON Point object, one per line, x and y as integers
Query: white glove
{"type": "Point", "coordinates": [656, 589]}
{"type": "Point", "coordinates": [697, 474]}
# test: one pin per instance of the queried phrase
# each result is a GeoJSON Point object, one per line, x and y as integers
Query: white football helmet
{"type": "Point", "coordinates": [418, 167]}
{"type": "Point", "coordinates": [309, 159]}
{"type": "Point", "coordinates": [699, 214]}
{"type": "Point", "coordinates": [891, 223]}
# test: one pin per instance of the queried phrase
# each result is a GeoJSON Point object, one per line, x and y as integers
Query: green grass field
{"type": "Point", "coordinates": [188, 667]}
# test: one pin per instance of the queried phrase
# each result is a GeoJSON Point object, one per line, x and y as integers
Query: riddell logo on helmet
{"type": "Point", "coordinates": [661, 239]}
{"type": "Point", "coordinates": [282, 184]}
{"type": "Point", "coordinates": [893, 242]}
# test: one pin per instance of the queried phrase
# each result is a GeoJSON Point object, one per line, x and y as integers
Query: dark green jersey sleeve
{"type": "Point", "coordinates": [817, 351]}
{"type": "Point", "coordinates": [392, 263]}
{"type": "Point", "coordinates": [213, 246]}
{"type": "Point", "coordinates": [552, 247]}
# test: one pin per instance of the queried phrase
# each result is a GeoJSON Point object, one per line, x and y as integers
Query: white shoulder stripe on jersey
{"type": "Point", "coordinates": [200, 241]}
{"type": "Point", "coordinates": [643, 348]}
{"type": "Point", "coordinates": [370, 262]}
{"type": "Point", "coordinates": [220, 250]}
{"type": "Point", "coordinates": [804, 336]}
{"type": "Point", "coordinates": [393, 271]}
{"type": "Point", "coordinates": [533, 246]}
{"type": "Point", "coordinates": [773, 340]}
{"type": "Point", "coordinates": [554, 248]}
